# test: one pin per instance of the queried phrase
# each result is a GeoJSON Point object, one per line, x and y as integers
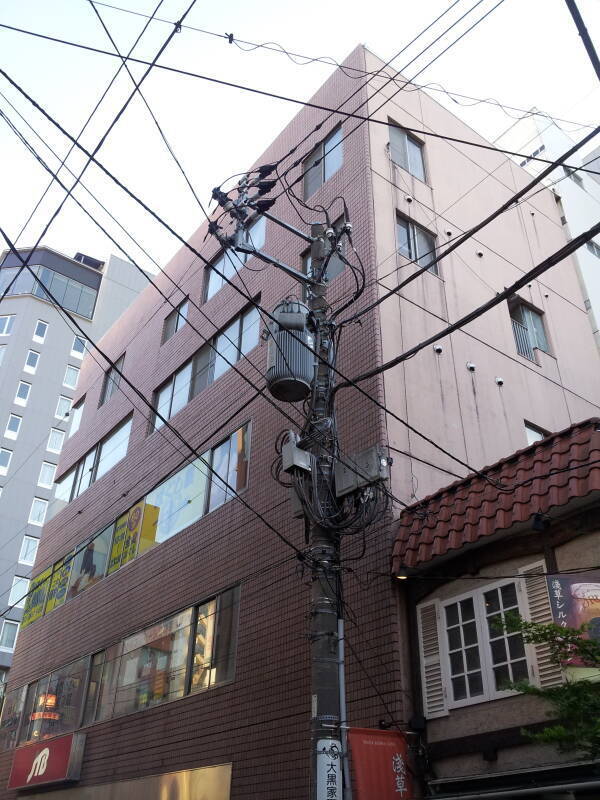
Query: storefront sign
{"type": "Point", "coordinates": [575, 601]}
{"type": "Point", "coordinates": [380, 761]}
{"type": "Point", "coordinates": [51, 761]}
{"type": "Point", "coordinates": [329, 769]}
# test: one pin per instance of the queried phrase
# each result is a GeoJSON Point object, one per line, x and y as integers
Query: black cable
{"type": "Point", "coordinates": [279, 97]}
{"type": "Point", "coordinates": [542, 267]}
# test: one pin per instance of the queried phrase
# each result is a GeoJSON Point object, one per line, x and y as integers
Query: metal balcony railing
{"type": "Point", "coordinates": [524, 346]}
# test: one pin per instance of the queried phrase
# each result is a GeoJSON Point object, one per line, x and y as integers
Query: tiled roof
{"type": "Point", "coordinates": [541, 477]}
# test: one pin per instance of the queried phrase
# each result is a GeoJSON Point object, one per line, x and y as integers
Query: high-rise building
{"type": "Point", "coordinates": [167, 619]}
{"type": "Point", "coordinates": [40, 362]}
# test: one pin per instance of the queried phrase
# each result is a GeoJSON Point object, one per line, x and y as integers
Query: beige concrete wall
{"type": "Point", "coordinates": [467, 412]}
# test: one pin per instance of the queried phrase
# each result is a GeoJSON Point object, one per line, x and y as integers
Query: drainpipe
{"type": "Point", "coordinates": [343, 712]}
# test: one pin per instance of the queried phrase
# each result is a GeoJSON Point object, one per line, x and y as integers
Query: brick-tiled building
{"type": "Point", "coordinates": [176, 638]}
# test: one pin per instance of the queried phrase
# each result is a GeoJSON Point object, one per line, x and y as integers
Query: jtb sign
{"type": "Point", "coordinates": [380, 760]}
{"type": "Point", "coordinates": [51, 761]}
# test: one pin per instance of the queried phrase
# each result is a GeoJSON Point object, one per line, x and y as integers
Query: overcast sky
{"type": "Point", "coordinates": [526, 53]}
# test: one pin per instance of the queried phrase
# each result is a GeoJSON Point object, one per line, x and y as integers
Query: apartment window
{"type": "Point", "coordinates": [8, 637]}
{"type": "Point", "coordinates": [18, 592]}
{"type": "Point", "coordinates": [111, 380]}
{"type": "Point", "coordinates": [229, 462]}
{"type": "Point", "coordinates": [55, 440]}
{"type": "Point", "coordinates": [47, 473]}
{"type": "Point", "coordinates": [207, 365]}
{"type": "Point", "coordinates": [29, 547]}
{"type": "Point", "coordinates": [22, 395]}
{"type": "Point", "coordinates": [5, 457]}
{"type": "Point", "coordinates": [534, 434]}
{"type": "Point", "coordinates": [75, 417]}
{"type": "Point", "coordinates": [113, 448]}
{"type": "Point", "coordinates": [323, 162]}
{"type": "Point", "coordinates": [528, 330]}
{"type": "Point", "coordinates": [2, 352]}
{"type": "Point", "coordinates": [188, 652]}
{"type": "Point", "coordinates": [63, 407]}
{"type": "Point", "coordinates": [37, 514]}
{"type": "Point", "coordinates": [71, 377]}
{"type": "Point", "coordinates": [31, 362]}
{"type": "Point", "coordinates": [89, 565]}
{"type": "Point", "coordinates": [415, 243]}
{"type": "Point", "coordinates": [479, 658]}
{"type": "Point", "coordinates": [6, 324]}
{"type": "Point", "coordinates": [68, 293]}
{"type": "Point", "coordinates": [40, 331]}
{"type": "Point", "coordinates": [175, 320]}
{"type": "Point", "coordinates": [230, 261]}
{"type": "Point", "coordinates": [407, 152]}
{"type": "Point", "coordinates": [78, 348]}
{"type": "Point", "coordinates": [593, 248]}
{"type": "Point", "coordinates": [535, 153]}
{"type": "Point", "coordinates": [13, 426]}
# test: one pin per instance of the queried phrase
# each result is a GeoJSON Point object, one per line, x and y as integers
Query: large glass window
{"type": "Point", "coordinates": [175, 320]}
{"type": "Point", "coordinates": [89, 565]}
{"type": "Point", "coordinates": [206, 366]}
{"type": "Point", "coordinates": [230, 261]}
{"type": "Point", "coordinates": [68, 293]}
{"type": "Point", "coordinates": [112, 379]}
{"type": "Point", "coordinates": [323, 162]}
{"type": "Point", "coordinates": [415, 243]}
{"type": "Point", "coordinates": [12, 711]}
{"type": "Point", "coordinates": [230, 465]}
{"type": "Point", "coordinates": [407, 152]}
{"type": "Point", "coordinates": [113, 448]}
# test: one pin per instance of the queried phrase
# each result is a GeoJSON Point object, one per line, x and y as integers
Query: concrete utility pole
{"type": "Point", "coordinates": [324, 555]}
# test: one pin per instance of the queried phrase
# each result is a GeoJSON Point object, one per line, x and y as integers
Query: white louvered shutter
{"type": "Point", "coordinates": [536, 592]}
{"type": "Point", "coordinates": [432, 678]}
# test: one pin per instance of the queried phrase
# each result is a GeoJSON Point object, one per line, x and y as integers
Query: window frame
{"type": "Point", "coordinates": [75, 417]}
{"type": "Point", "coordinates": [27, 367]}
{"type": "Point", "coordinates": [407, 137]}
{"type": "Point", "coordinates": [8, 434]}
{"type": "Point", "coordinates": [45, 507]}
{"type": "Point", "coordinates": [319, 154]}
{"type": "Point", "coordinates": [112, 379]}
{"type": "Point", "coordinates": [51, 484]}
{"type": "Point", "coordinates": [61, 399]}
{"type": "Point", "coordinates": [16, 604]}
{"type": "Point", "coordinates": [517, 306]}
{"type": "Point", "coordinates": [77, 371]}
{"type": "Point", "coordinates": [490, 693]}
{"type": "Point", "coordinates": [33, 539]}
{"type": "Point", "coordinates": [4, 470]}
{"type": "Point", "coordinates": [180, 316]}
{"type": "Point", "coordinates": [412, 228]}
{"type": "Point", "coordinates": [75, 353]}
{"type": "Point", "coordinates": [7, 322]}
{"type": "Point", "coordinates": [36, 336]}
{"type": "Point", "coordinates": [55, 430]}
{"type": "Point", "coordinates": [19, 401]}
{"type": "Point", "coordinates": [6, 622]}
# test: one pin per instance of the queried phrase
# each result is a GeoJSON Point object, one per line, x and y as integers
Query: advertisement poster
{"type": "Point", "coordinates": [179, 501]}
{"type": "Point", "coordinates": [125, 539]}
{"type": "Point", "coordinates": [36, 600]}
{"type": "Point", "coordinates": [380, 761]}
{"type": "Point", "coordinates": [575, 601]}
{"type": "Point", "coordinates": [59, 582]}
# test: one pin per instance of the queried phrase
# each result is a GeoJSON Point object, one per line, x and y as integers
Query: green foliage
{"type": "Point", "coordinates": [575, 704]}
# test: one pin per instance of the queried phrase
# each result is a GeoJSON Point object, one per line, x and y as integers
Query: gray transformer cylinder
{"type": "Point", "coordinates": [290, 364]}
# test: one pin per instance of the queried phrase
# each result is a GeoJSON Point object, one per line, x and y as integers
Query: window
{"type": "Point", "coordinates": [37, 514]}
{"type": "Point", "coordinates": [18, 592]}
{"type": "Point", "coordinates": [75, 417]}
{"type": "Point", "coordinates": [323, 162]}
{"type": "Point", "coordinates": [22, 395]}
{"type": "Point", "coordinates": [68, 293]}
{"type": "Point", "coordinates": [406, 152]}
{"type": "Point", "coordinates": [31, 362]}
{"type": "Point", "coordinates": [2, 352]}
{"type": "Point", "coordinates": [71, 377]}
{"type": "Point", "coordinates": [40, 331]}
{"type": "Point", "coordinates": [528, 330]}
{"type": "Point", "coordinates": [29, 547]}
{"type": "Point", "coordinates": [8, 637]}
{"type": "Point", "coordinates": [230, 262]}
{"type": "Point", "coordinates": [209, 363]}
{"type": "Point", "coordinates": [535, 153]}
{"type": "Point", "coordinates": [574, 175]}
{"type": "Point", "coordinates": [175, 320]}
{"type": "Point", "coordinates": [13, 426]}
{"type": "Point", "coordinates": [6, 324]}
{"type": "Point", "coordinates": [111, 380]}
{"type": "Point", "coordinates": [534, 434]}
{"type": "Point", "coordinates": [78, 348]}
{"type": "Point", "coordinates": [592, 247]}
{"type": "Point", "coordinates": [95, 463]}
{"type": "Point", "coordinates": [415, 243]}
{"type": "Point", "coordinates": [47, 473]}
{"type": "Point", "coordinates": [55, 440]}
{"type": "Point", "coordinates": [5, 457]}
{"type": "Point", "coordinates": [90, 563]}
{"type": "Point", "coordinates": [63, 407]}
{"type": "Point", "coordinates": [188, 652]}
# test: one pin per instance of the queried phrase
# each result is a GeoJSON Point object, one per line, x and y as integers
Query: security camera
{"type": "Point", "coordinates": [499, 380]}
{"type": "Point", "coordinates": [448, 233]}
{"type": "Point", "coordinates": [408, 198]}
{"type": "Point", "coordinates": [479, 253]}
{"type": "Point", "coordinates": [437, 348]}
{"type": "Point", "coordinates": [470, 366]}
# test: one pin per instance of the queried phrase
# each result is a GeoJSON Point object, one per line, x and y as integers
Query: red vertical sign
{"type": "Point", "coordinates": [380, 761]}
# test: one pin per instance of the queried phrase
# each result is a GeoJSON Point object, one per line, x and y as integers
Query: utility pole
{"type": "Point", "coordinates": [324, 554]}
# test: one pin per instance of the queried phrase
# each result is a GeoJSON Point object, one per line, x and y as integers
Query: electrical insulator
{"type": "Point", "coordinates": [290, 362]}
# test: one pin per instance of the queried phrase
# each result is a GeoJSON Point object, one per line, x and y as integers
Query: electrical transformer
{"type": "Point", "coordinates": [290, 362]}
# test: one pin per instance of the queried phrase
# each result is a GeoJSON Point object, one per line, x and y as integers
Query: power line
{"type": "Point", "coordinates": [542, 267]}
{"type": "Point", "coordinates": [275, 96]}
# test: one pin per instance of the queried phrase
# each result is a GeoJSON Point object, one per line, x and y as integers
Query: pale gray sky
{"type": "Point", "coordinates": [526, 53]}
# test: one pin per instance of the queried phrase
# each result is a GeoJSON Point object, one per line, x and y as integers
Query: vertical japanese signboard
{"type": "Point", "coordinates": [575, 601]}
{"type": "Point", "coordinates": [380, 761]}
{"type": "Point", "coordinates": [329, 770]}
{"type": "Point", "coordinates": [36, 598]}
